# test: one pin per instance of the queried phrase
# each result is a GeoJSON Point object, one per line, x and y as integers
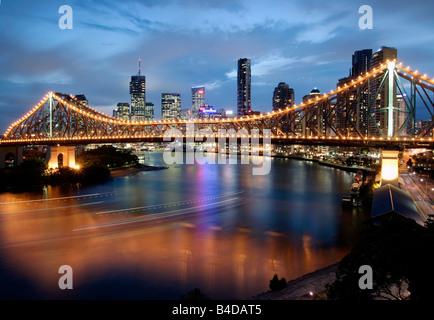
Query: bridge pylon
{"type": "Point", "coordinates": [61, 156]}
{"type": "Point", "coordinates": [389, 167]}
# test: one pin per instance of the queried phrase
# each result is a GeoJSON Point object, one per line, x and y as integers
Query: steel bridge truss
{"type": "Point", "coordinates": [338, 114]}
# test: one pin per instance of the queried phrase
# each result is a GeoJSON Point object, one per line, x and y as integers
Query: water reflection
{"type": "Point", "coordinates": [159, 234]}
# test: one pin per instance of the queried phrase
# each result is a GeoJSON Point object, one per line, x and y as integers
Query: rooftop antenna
{"type": "Point", "coordinates": [140, 68]}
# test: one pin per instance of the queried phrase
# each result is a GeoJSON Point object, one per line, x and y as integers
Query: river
{"type": "Point", "coordinates": [160, 234]}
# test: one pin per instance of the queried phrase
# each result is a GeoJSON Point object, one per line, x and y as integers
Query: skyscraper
{"type": "Point", "coordinates": [197, 100]}
{"type": "Point", "coordinates": [149, 111]}
{"type": "Point", "coordinates": [170, 106]}
{"type": "Point", "coordinates": [243, 87]}
{"type": "Point", "coordinates": [352, 104]}
{"type": "Point", "coordinates": [138, 96]}
{"type": "Point", "coordinates": [122, 111]}
{"type": "Point", "coordinates": [283, 96]}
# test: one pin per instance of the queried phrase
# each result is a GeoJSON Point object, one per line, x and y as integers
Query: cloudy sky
{"type": "Point", "coordinates": [186, 43]}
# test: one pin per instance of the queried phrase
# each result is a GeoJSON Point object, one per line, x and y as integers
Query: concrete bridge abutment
{"type": "Point", "coordinates": [61, 156]}
{"type": "Point", "coordinates": [10, 156]}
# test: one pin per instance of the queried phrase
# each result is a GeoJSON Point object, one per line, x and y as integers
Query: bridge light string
{"type": "Point", "coordinates": [28, 114]}
{"type": "Point", "coordinates": [96, 115]}
{"type": "Point", "coordinates": [415, 74]}
{"type": "Point", "coordinates": [60, 139]}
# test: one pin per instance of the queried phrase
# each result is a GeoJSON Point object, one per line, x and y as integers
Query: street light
{"type": "Point", "coordinates": [426, 185]}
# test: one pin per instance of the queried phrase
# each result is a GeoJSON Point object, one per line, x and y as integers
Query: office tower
{"type": "Point", "coordinates": [379, 105]}
{"type": "Point", "coordinates": [243, 87]}
{"type": "Point", "coordinates": [170, 106]}
{"type": "Point", "coordinates": [283, 97]}
{"type": "Point", "coordinates": [122, 111]}
{"type": "Point", "coordinates": [82, 98]}
{"type": "Point", "coordinates": [149, 111]}
{"type": "Point", "coordinates": [138, 96]}
{"type": "Point", "coordinates": [197, 100]}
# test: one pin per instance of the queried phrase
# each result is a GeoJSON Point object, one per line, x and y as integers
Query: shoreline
{"type": "Point", "coordinates": [129, 171]}
{"type": "Point", "coordinates": [301, 288]}
{"type": "Point", "coordinates": [323, 163]}
{"type": "Point", "coordinates": [314, 282]}
{"type": "Point", "coordinates": [327, 164]}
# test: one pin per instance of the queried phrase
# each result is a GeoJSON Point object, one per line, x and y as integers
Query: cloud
{"type": "Point", "coordinates": [110, 28]}
{"type": "Point", "coordinates": [317, 34]}
{"type": "Point", "coordinates": [183, 43]}
{"type": "Point", "coordinates": [54, 77]}
{"type": "Point", "coordinates": [213, 85]}
{"type": "Point", "coordinates": [272, 63]}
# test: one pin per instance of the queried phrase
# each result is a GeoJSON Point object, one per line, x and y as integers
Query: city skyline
{"type": "Point", "coordinates": [317, 53]}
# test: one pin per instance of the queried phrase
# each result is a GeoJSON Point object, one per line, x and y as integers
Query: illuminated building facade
{"type": "Point", "coordinates": [244, 87]}
{"type": "Point", "coordinates": [197, 100]}
{"type": "Point", "coordinates": [170, 106]}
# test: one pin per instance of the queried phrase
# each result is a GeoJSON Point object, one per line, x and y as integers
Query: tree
{"type": "Point", "coordinates": [276, 284]}
{"type": "Point", "coordinates": [397, 252]}
{"type": "Point", "coordinates": [107, 156]}
{"type": "Point", "coordinates": [195, 294]}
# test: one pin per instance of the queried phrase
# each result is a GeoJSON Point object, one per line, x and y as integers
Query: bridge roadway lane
{"type": "Point", "coordinates": [417, 192]}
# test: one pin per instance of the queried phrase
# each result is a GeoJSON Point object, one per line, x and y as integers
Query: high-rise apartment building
{"type": "Point", "coordinates": [352, 104]}
{"type": "Point", "coordinates": [283, 96]}
{"type": "Point", "coordinates": [244, 87]}
{"type": "Point", "coordinates": [170, 106]}
{"type": "Point", "coordinates": [361, 62]}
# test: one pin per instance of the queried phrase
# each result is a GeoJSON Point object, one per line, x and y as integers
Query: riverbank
{"type": "Point", "coordinates": [307, 287]}
{"type": "Point", "coordinates": [327, 164]}
{"type": "Point", "coordinates": [312, 285]}
{"type": "Point", "coordinates": [128, 171]}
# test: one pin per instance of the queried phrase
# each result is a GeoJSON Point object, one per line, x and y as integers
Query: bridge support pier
{"type": "Point", "coordinates": [10, 156]}
{"type": "Point", "coordinates": [60, 156]}
{"type": "Point", "coordinates": [389, 167]}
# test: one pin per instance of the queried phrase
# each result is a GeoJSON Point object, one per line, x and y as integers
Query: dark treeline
{"type": "Point", "coordinates": [94, 168]}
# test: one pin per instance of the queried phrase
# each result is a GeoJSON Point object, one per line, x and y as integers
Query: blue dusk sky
{"type": "Point", "coordinates": [187, 43]}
